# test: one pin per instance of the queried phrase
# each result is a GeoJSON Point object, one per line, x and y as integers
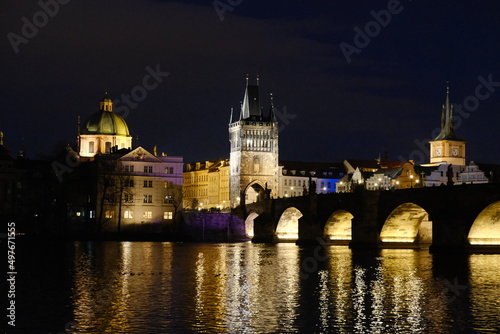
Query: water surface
{"type": "Point", "coordinates": [154, 287]}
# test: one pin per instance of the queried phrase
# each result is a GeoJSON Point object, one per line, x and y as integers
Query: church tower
{"type": "Point", "coordinates": [447, 147]}
{"type": "Point", "coordinates": [254, 150]}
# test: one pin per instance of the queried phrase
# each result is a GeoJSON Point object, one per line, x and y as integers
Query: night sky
{"type": "Point", "coordinates": [387, 97]}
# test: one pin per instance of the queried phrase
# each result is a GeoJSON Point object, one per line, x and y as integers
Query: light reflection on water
{"type": "Point", "coordinates": [148, 287]}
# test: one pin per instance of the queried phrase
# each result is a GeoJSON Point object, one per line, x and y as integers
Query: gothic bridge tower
{"type": "Point", "coordinates": [254, 150]}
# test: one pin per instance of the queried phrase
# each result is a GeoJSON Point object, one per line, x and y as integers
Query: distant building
{"type": "Point", "coordinates": [378, 175]}
{"type": "Point", "coordinates": [123, 188]}
{"type": "Point", "coordinates": [8, 180]}
{"type": "Point", "coordinates": [132, 190]}
{"type": "Point", "coordinates": [103, 132]}
{"type": "Point", "coordinates": [447, 147]}
{"type": "Point", "coordinates": [295, 177]}
{"type": "Point", "coordinates": [206, 185]}
{"type": "Point", "coordinates": [472, 175]}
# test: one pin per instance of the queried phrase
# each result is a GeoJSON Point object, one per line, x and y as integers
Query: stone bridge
{"type": "Point", "coordinates": [465, 217]}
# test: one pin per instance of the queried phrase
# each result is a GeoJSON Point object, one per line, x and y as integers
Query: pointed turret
{"type": "Point", "coordinates": [231, 116]}
{"type": "Point", "coordinates": [447, 131]}
{"type": "Point", "coordinates": [251, 109]}
{"type": "Point", "coordinates": [272, 115]}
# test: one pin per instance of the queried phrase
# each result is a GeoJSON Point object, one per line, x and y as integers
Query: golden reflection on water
{"type": "Point", "coordinates": [245, 294]}
{"type": "Point", "coordinates": [234, 288]}
{"type": "Point", "coordinates": [484, 288]}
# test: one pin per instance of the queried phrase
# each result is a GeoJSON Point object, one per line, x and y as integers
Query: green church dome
{"type": "Point", "coordinates": [106, 122]}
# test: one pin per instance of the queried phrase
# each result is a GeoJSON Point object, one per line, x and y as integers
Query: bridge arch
{"type": "Point", "coordinates": [485, 229]}
{"type": "Point", "coordinates": [288, 224]}
{"type": "Point", "coordinates": [254, 191]}
{"type": "Point", "coordinates": [407, 224]}
{"type": "Point", "coordinates": [338, 228]}
{"type": "Point", "coordinates": [249, 223]}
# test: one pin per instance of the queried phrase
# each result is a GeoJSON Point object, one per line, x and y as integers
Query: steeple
{"type": "Point", "coordinates": [251, 109]}
{"type": "Point", "coordinates": [447, 131]}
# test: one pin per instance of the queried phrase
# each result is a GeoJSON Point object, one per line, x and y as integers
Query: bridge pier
{"type": "Point", "coordinates": [365, 230]}
{"type": "Point", "coordinates": [264, 229]}
{"type": "Point", "coordinates": [310, 230]}
{"type": "Point", "coordinates": [449, 234]}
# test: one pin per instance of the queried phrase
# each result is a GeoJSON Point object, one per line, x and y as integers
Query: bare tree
{"type": "Point", "coordinates": [174, 195]}
{"type": "Point", "coordinates": [114, 187]}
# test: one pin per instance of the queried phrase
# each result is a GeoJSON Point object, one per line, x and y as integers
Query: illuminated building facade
{"type": "Point", "coordinates": [133, 189]}
{"type": "Point", "coordinates": [206, 185]}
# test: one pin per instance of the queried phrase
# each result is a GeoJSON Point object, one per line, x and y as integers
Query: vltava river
{"type": "Point", "coordinates": [154, 287]}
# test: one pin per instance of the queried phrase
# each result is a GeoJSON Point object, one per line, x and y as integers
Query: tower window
{"type": "Point", "coordinates": [91, 147]}
{"type": "Point", "coordinates": [256, 164]}
{"type": "Point", "coordinates": [108, 147]}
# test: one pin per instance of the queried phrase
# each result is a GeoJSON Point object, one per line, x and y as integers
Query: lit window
{"type": "Point", "coordinates": [128, 214]}
{"type": "Point", "coordinates": [108, 214]}
{"type": "Point", "coordinates": [147, 214]}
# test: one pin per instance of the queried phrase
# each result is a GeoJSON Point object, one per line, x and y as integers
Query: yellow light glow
{"type": "Point", "coordinates": [486, 228]}
{"type": "Point", "coordinates": [339, 226]}
{"type": "Point", "coordinates": [406, 224]}
{"type": "Point", "coordinates": [288, 225]}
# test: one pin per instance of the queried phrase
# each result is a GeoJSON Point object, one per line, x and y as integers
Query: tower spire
{"type": "Point", "coordinates": [251, 108]}
{"type": "Point", "coordinates": [447, 131]}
